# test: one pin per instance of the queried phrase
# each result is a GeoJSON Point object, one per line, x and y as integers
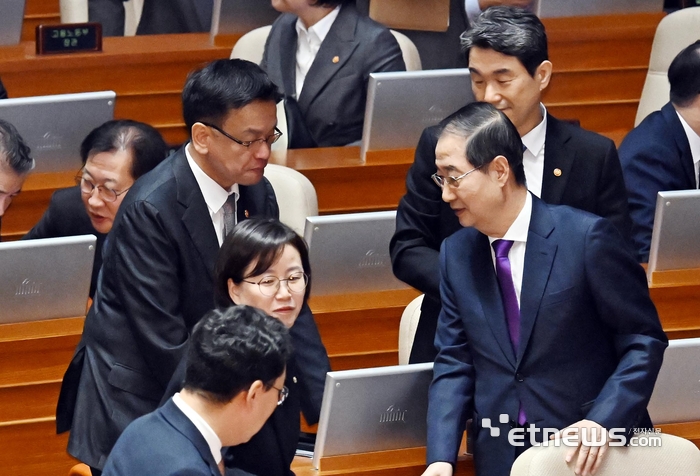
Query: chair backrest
{"type": "Point", "coordinates": [409, 52]}
{"type": "Point", "coordinates": [80, 469]}
{"type": "Point", "coordinates": [251, 46]}
{"type": "Point", "coordinates": [672, 456]}
{"type": "Point", "coordinates": [407, 328]}
{"type": "Point", "coordinates": [74, 11]}
{"type": "Point", "coordinates": [296, 196]}
{"type": "Point", "coordinates": [675, 32]}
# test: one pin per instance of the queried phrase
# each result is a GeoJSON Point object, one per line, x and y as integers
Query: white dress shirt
{"type": "Point", "coordinates": [309, 42]}
{"type": "Point", "coordinates": [214, 195]}
{"type": "Point", "coordinates": [533, 156]}
{"type": "Point", "coordinates": [207, 432]}
{"type": "Point", "coordinates": [517, 233]}
{"type": "Point", "coordinates": [694, 141]}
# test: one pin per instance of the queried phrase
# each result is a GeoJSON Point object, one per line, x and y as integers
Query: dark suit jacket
{"type": "Point", "coordinates": [156, 283]}
{"type": "Point", "coordinates": [591, 343]}
{"type": "Point", "coordinates": [271, 450]}
{"type": "Point", "coordinates": [162, 443]}
{"type": "Point", "coordinates": [157, 17]}
{"type": "Point", "coordinates": [655, 156]}
{"type": "Point", "coordinates": [332, 101]}
{"type": "Point", "coordinates": [3, 91]}
{"type": "Point", "coordinates": [66, 216]}
{"type": "Point", "coordinates": [591, 180]}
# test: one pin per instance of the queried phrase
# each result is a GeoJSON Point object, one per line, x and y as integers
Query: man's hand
{"type": "Point", "coordinates": [484, 4]}
{"type": "Point", "coordinates": [592, 445]}
{"type": "Point", "coordinates": [438, 469]}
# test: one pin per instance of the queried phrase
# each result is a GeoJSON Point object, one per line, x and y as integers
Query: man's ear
{"type": "Point", "coordinates": [543, 74]}
{"type": "Point", "coordinates": [254, 391]}
{"type": "Point", "coordinates": [201, 137]}
{"type": "Point", "coordinates": [500, 168]}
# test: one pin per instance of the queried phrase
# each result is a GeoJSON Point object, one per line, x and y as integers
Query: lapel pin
{"type": "Point", "coordinates": [294, 379]}
{"type": "Point", "coordinates": [557, 173]}
{"type": "Point", "coordinates": [336, 59]}
{"type": "Point", "coordinates": [247, 213]}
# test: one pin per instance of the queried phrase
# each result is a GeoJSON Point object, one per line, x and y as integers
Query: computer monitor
{"type": "Point", "coordinates": [674, 237]}
{"type": "Point", "coordinates": [570, 8]}
{"type": "Point", "coordinates": [11, 18]}
{"type": "Point", "coordinates": [54, 126]}
{"type": "Point", "coordinates": [676, 396]}
{"type": "Point", "coordinates": [375, 409]}
{"type": "Point", "coordinates": [401, 104]}
{"type": "Point", "coordinates": [349, 253]}
{"type": "Point", "coordinates": [46, 278]}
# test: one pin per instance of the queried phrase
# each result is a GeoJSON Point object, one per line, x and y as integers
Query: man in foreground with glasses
{"type": "Point", "coordinates": [156, 281]}
{"type": "Point", "coordinates": [509, 63]}
{"type": "Point", "coordinates": [114, 155]}
{"type": "Point", "coordinates": [233, 382]}
{"type": "Point", "coordinates": [15, 164]}
{"type": "Point", "coordinates": [546, 322]}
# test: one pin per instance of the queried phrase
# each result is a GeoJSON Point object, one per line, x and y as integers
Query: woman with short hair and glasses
{"type": "Point", "coordinates": [114, 155]}
{"type": "Point", "coordinates": [265, 264]}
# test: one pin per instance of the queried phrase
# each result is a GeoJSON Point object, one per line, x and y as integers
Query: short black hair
{"type": "Point", "coordinates": [13, 150]}
{"type": "Point", "coordinates": [260, 241]}
{"type": "Point", "coordinates": [511, 31]}
{"type": "Point", "coordinates": [211, 92]}
{"type": "Point", "coordinates": [489, 133]}
{"type": "Point", "coordinates": [232, 348]}
{"type": "Point", "coordinates": [331, 3]}
{"type": "Point", "coordinates": [144, 142]}
{"type": "Point", "coordinates": [684, 75]}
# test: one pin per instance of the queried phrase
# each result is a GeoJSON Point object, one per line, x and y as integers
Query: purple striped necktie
{"type": "Point", "coordinates": [504, 275]}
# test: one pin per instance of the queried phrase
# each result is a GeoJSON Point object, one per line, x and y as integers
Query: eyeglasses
{"type": "Point", "coordinates": [269, 285]}
{"type": "Point", "coordinates": [441, 181]}
{"type": "Point", "coordinates": [269, 140]}
{"type": "Point", "coordinates": [106, 194]}
{"type": "Point", "coordinates": [282, 395]}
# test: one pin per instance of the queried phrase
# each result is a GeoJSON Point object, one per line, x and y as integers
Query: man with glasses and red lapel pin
{"type": "Point", "coordinates": [156, 280]}
{"type": "Point", "coordinates": [546, 320]}
{"type": "Point", "coordinates": [114, 155]}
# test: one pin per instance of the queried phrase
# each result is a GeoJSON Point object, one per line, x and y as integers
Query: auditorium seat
{"type": "Point", "coordinates": [76, 11]}
{"type": "Point", "coordinates": [407, 328]}
{"type": "Point", "coordinates": [675, 32]}
{"type": "Point", "coordinates": [80, 470]}
{"type": "Point", "coordinates": [672, 457]}
{"type": "Point", "coordinates": [296, 196]}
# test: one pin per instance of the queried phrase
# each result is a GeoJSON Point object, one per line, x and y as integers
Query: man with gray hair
{"type": "Point", "coordinates": [15, 164]}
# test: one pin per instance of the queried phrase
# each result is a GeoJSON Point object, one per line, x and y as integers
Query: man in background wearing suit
{"type": "Point", "coordinates": [15, 164]}
{"type": "Point", "coordinates": [663, 151]}
{"type": "Point", "coordinates": [234, 381]}
{"type": "Point", "coordinates": [156, 281]}
{"type": "Point", "coordinates": [546, 318]}
{"type": "Point", "coordinates": [564, 164]}
{"type": "Point", "coordinates": [320, 53]}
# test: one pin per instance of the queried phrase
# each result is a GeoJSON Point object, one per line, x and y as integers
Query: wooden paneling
{"type": "Point", "coordinates": [37, 12]}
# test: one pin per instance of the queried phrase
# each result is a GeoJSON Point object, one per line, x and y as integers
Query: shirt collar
{"type": "Point", "coordinates": [321, 27]}
{"type": "Point", "coordinates": [519, 228]}
{"type": "Point", "coordinates": [207, 432]}
{"type": "Point", "coordinates": [214, 194]}
{"type": "Point", "coordinates": [693, 139]}
{"type": "Point", "coordinates": [534, 140]}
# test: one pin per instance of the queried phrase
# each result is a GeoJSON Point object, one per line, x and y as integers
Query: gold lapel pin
{"type": "Point", "coordinates": [294, 379]}
{"type": "Point", "coordinates": [557, 173]}
{"type": "Point", "coordinates": [247, 213]}
{"type": "Point", "coordinates": [336, 59]}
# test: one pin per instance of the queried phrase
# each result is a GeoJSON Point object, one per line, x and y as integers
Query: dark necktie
{"type": "Point", "coordinates": [229, 214]}
{"type": "Point", "coordinates": [510, 301]}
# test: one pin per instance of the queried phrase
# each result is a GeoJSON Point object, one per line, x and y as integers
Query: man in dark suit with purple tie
{"type": "Point", "coordinates": [546, 318]}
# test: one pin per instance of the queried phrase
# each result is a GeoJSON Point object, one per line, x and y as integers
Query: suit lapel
{"type": "Point", "coordinates": [173, 415]}
{"type": "Point", "coordinates": [539, 257]}
{"type": "Point", "coordinates": [670, 115]}
{"type": "Point", "coordinates": [483, 275]}
{"type": "Point", "coordinates": [288, 52]}
{"type": "Point", "coordinates": [335, 51]}
{"type": "Point", "coordinates": [196, 217]}
{"type": "Point", "coordinates": [558, 154]}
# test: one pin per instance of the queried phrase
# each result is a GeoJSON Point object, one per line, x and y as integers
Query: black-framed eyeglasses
{"type": "Point", "coordinates": [441, 181]}
{"type": "Point", "coordinates": [106, 194]}
{"type": "Point", "coordinates": [269, 285]}
{"type": "Point", "coordinates": [269, 140]}
{"type": "Point", "coordinates": [282, 395]}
